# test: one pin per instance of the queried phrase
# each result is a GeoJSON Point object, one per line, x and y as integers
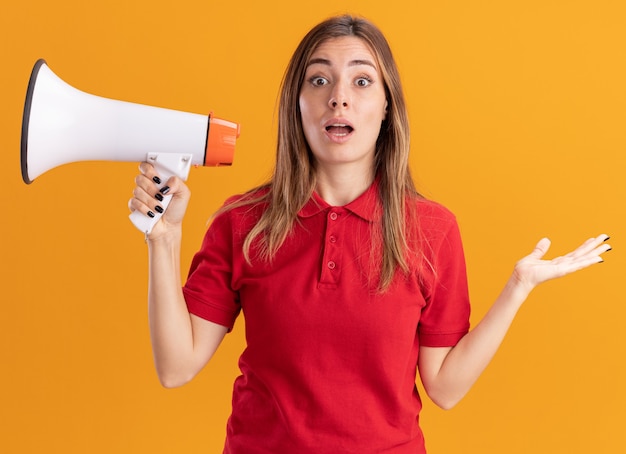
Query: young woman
{"type": "Point", "coordinates": [349, 280]}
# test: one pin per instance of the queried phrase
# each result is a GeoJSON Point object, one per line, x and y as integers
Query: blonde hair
{"type": "Point", "coordinates": [294, 178]}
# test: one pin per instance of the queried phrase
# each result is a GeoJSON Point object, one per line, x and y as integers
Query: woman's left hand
{"type": "Point", "coordinates": [532, 270]}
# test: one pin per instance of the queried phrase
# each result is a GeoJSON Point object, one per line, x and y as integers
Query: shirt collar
{"type": "Point", "coordinates": [366, 206]}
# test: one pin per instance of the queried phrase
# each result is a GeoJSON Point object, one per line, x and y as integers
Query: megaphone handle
{"type": "Point", "coordinates": [166, 165]}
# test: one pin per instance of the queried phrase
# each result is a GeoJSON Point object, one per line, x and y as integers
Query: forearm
{"type": "Point", "coordinates": [170, 325]}
{"type": "Point", "coordinates": [448, 374]}
{"type": "Point", "coordinates": [468, 359]}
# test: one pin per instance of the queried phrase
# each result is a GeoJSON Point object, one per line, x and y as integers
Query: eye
{"type": "Point", "coordinates": [318, 81]}
{"type": "Point", "coordinates": [363, 81]}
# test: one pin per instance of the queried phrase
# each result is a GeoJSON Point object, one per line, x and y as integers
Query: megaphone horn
{"type": "Point", "coordinates": [62, 124]}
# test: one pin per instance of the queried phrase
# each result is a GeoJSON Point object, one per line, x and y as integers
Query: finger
{"type": "Point", "coordinates": [597, 252]}
{"type": "Point", "coordinates": [149, 185]}
{"type": "Point", "coordinates": [590, 246]}
{"type": "Point", "coordinates": [591, 257]}
{"type": "Point", "coordinates": [135, 204]}
{"type": "Point", "coordinates": [541, 248]}
{"type": "Point", "coordinates": [146, 202]}
{"type": "Point", "coordinates": [581, 263]}
{"type": "Point", "coordinates": [174, 186]}
{"type": "Point", "coordinates": [146, 194]}
{"type": "Point", "coordinates": [149, 171]}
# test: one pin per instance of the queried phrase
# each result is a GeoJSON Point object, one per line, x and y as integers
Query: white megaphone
{"type": "Point", "coordinates": [62, 124]}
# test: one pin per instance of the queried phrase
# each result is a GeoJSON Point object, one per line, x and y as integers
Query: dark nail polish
{"type": "Point", "coordinates": [157, 180]}
{"type": "Point", "coordinates": [159, 197]}
{"type": "Point", "coordinates": [150, 213]}
{"type": "Point", "coordinates": [607, 238]}
{"type": "Point", "coordinates": [165, 189]}
{"type": "Point", "coordinates": [158, 208]}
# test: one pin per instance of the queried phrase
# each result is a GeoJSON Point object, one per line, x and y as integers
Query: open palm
{"type": "Point", "coordinates": [532, 270]}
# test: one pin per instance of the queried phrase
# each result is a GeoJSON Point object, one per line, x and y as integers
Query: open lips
{"type": "Point", "coordinates": [339, 129]}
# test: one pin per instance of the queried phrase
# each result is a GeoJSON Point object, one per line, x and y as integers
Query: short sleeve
{"type": "Point", "coordinates": [445, 317]}
{"type": "Point", "coordinates": [208, 291]}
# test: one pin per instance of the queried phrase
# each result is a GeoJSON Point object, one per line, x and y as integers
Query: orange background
{"type": "Point", "coordinates": [518, 125]}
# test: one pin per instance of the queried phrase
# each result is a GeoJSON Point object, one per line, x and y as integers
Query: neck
{"type": "Point", "coordinates": [340, 188]}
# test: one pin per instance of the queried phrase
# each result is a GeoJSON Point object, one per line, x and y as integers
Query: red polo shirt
{"type": "Point", "coordinates": [330, 364]}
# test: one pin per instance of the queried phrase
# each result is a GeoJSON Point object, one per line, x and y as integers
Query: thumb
{"type": "Point", "coordinates": [541, 248]}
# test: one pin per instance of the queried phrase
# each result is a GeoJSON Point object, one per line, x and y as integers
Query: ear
{"type": "Point", "coordinates": [385, 114]}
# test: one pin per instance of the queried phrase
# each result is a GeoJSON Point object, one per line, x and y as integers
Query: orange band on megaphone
{"type": "Point", "coordinates": [221, 138]}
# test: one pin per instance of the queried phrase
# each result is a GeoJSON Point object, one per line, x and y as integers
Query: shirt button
{"type": "Point", "coordinates": [331, 265]}
{"type": "Point", "coordinates": [332, 239]}
{"type": "Point", "coordinates": [333, 216]}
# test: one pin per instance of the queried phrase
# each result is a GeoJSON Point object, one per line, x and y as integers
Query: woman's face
{"type": "Point", "coordinates": [343, 103]}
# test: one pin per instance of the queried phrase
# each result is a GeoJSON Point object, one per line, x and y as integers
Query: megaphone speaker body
{"type": "Point", "coordinates": [62, 124]}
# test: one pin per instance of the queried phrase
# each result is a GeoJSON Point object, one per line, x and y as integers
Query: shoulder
{"type": "Point", "coordinates": [240, 212]}
{"type": "Point", "coordinates": [255, 196]}
{"type": "Point", "coordinates": [241, 204]}
{"type": "Point", "coordinates": [434, 229]}
{"type": "Point", "coordinates": [436, 239]}
{"type": "Point", "coordinates": [432, 215]}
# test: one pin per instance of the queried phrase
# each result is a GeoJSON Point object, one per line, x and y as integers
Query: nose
{"type": "Point", "coordinates": [333, 103]}
{"type": "Point", "coordinates": [338, 98]}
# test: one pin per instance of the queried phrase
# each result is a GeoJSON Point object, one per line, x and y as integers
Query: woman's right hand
{"type": "Point", "coordinates": [182, 343]}
{"type": "Point", "coordinates": [147, 199]}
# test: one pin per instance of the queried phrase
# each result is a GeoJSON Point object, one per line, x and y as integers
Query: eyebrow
{"type": "Point", "coordinates": [324, 61]}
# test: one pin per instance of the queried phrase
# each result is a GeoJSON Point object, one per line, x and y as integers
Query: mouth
{"type": "Point", "coordinates": [339, 129]}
